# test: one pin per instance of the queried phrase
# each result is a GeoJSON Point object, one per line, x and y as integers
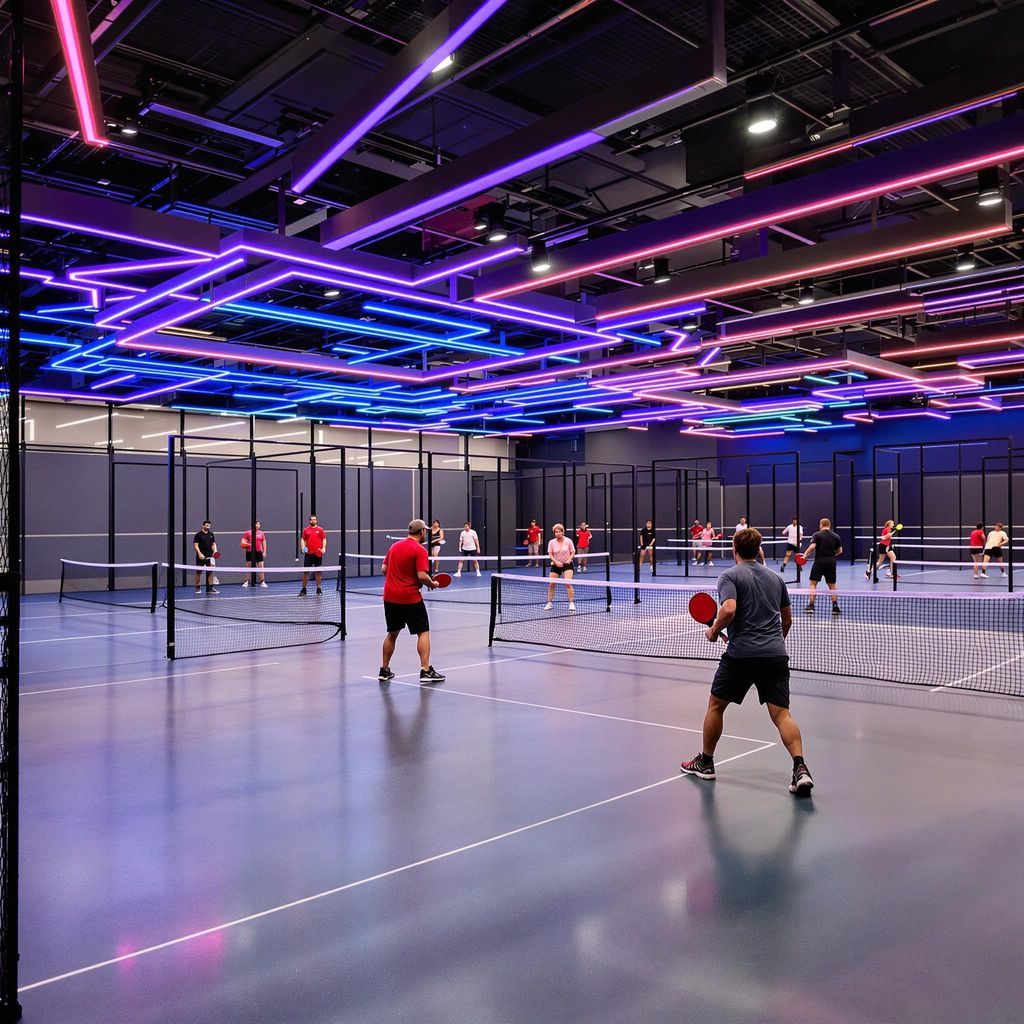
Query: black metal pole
{"type": "Point", "coordinates": [369, 478]}
{"type": "Point", "coordinates": [312, 469]}
{"type": "Point", "coordinates": [874, 495]}
{"type": "Point", "coordinates": [679, 516]}
{"type": "Point", "coordinates": [111, 497]}
{"type": "Point", "coordinates": [254, 551]}
{"type": "Point", "coordinates": [1009, 513]}
{"type": "Point", "coordinates": [920, 496]}
{"type": "Point", "coordinates": [184, 503]}
{"type": "Point", "coordinates": [343, 511]}
{"type": "Point", "coordinates": [497, 488]}
{"type": "Point", "coordinates": [170, 543]}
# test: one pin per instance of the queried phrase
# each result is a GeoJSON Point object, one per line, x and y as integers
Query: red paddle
{"type": "Point", "coordinates": [703, 609]}
{"type": "Point", "coordinates": [443, 579]}
{"type": "Point", "coordinates": [800, 559]}
{"type": "Point", "coordinates": [216, 554]}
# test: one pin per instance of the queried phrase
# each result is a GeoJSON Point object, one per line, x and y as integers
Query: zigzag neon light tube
{"type": "Point", "coordinates": [387, 103]}
{"type": "Point", "coordinates": [73, 39]}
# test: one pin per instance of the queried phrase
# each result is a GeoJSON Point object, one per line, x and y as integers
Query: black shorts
{"type": "Point", "coordinates": [206, 563]}
{"type": "Point", "coordinates": [248, 557]}
{"type": "Point", "coordinates": [794, 548]}
{"type": "Point", "coordinates": [735, 676]}
{"type": "Point", "coordinates": [398, 616]}
{"type": "Point", "coordinates": [557, 570]}
{"type": "Point", "coordinates": [474, 554]}
{"type": "Point", "coordinates": [994, 552]}
{"type": "Point", "coordinates": [823, 569]}
{"type": "Point", "coordinates": [312, 561]}
{"type": "Point", "coordinates": [977, 551]}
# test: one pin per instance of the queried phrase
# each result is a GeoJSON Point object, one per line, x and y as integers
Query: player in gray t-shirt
{"type": "Point", "coordinates": [756, 612]}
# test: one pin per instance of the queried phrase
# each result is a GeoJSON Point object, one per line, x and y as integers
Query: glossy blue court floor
{"type": "Point", "coordinates": [272, 837]}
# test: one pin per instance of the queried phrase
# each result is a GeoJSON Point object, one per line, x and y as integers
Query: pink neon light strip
{"type": "Point", "coordinates": [756, 222]}
{"type": "Point", "coordinates": [856, 316]}
{"type": "Point", "coordinates": [951, 346]}
{"type": "Point", "coordinates": [853, 261]}
{"type": "Point", "coordinates": [80, 74]}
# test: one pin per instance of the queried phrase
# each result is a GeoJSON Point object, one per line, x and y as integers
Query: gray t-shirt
{"type": "Point", "coordinates": [759, 593]}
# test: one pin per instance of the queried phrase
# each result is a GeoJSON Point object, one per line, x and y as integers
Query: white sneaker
{"type": "Point", "coordinates": [264, 585]}
{"type": "Point", "coordinates": [478, 572]}
{"type": "Point", "coordinates": [245, 583]}
{"type": "Point", "coordinates": [983, 574]}
{"type": "Point", "coordinates": [459, 573]}
{"type": "Point", "coordinates": [547, 607]}
{"type": "Point", "coordinates": [572, 607]}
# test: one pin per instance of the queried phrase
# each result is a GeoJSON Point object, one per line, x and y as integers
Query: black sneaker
{"type": "Point", "coordinates": [809, 609]}
{"type": "Point", "coordinates": [302, 592]}
{"type": "Point", "coordinates": [212, 590]}
{"type": "Point", "coordinates": [385, 675]}
{"type": "Point", "coordinates": [430, 675]}
{"type": "Point", "coordinates": [836, 610]}
{"type": "Point", "coordinates": [802, 783]}
{"type": "Point", "coordinates": [701, 766]}
{"type": "Point", "coordinates": [319, 592]}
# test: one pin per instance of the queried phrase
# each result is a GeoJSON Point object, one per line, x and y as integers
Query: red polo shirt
{"type": "Point", "coordinates": [405, 560]}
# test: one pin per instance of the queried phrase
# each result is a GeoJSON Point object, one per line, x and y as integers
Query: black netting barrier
{"type": "Point", "coordinates": [125, 584]}
{"type": "Point", "coordinates": [234, 609]}
{"type": "Point", "coordinates": [940, 640]}
{"type": "Point", "coordinates": [11, 72]}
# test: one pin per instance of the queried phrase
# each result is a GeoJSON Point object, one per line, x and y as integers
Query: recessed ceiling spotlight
{"type": "Point", "coordinates": [990, 190]}
{"type": "Point", "coordinates": [690, 322]}
{"type": "Point", "coordinates": [965, 258]}
{"type": "Point", "coordinates": [446, 62]}
{"type": "Point", "coordinates": [129, 129]}
{"type": "Point", "coordinates": [480, 218]}
{"type": "Point", "coordinates": [762, 115]}
{"type": "Point", "coordinates": [540, 262]}
{"type": "Point", "coordinates": [331, 293]}
{"type": "Point", "coordinates": [661, 272]}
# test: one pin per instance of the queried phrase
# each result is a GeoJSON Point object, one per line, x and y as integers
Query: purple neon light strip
{"type": "Point", "coordinates": [452, 267]}
{"type": "Point", "coordinates": [459, 192]}
{"type": "Point", "coordinates": [973, 362]}
{"type": "Point", "coordinates": [381, 109]}
{"type": "Point", "coordinates": [93, 229]}
{"type": "Point", "coordinates": [136, 266]}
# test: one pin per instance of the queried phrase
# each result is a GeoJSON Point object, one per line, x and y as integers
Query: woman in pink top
{"type": "Point", "coordinates": [707, 536]}
{"type": "Point", "coordinates": [561, 552]}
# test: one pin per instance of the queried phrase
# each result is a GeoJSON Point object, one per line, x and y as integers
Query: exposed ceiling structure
{"type": "Point", "coordinates": [747, 218]}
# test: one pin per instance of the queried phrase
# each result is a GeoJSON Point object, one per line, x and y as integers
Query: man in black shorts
{"type": "Point", "coordinates": [755, 610]}
{"type": "Point", "coordinates": [827, 547]}
{"type": "Point", "coordinates": [405, 571]}
{"type": "Point", "coordinates": [204, 543]}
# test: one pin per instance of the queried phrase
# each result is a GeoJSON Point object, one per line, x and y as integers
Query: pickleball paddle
{"type": "Point", "coordinates": [800, 559]}
{"type": "Point", "coordinates": [703, 609]}
{"type": "Point", "coordinates": [217, 554]}
{"type": "Point", "coordinates": [443, 579]}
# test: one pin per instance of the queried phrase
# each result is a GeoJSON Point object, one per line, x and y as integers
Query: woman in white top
{"type": "Point", "coordinates": [469, 546]}
{"type": "Point", "coordinates": [561, 551]}
{"type": "Point", "coordinates": [794, 534]}
{"type": "Point", "coordinates": [994, 544]}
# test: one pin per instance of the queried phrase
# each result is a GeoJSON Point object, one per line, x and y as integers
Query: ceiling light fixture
{"type": "Point", "coordinates": [990, 190]}
{"type": "Point", "coordinates": [762, 115]}
{"type": "Point", "coordinates": [661, 271]}
{"type": "Point", "coordinates": [691, 322]}
{"type": "Point", "coordinates": [805, 297]}
{"type": "Point", "coordinates": [540, 262]}
{"type": "Point", "coordinates": [446, 62]}
{"type": "Point", "coordinates": [965, 258]}
{"type": "Point", "coordinates": [332, 293]}
{"type": "Point", "coordinates": [129, 129]}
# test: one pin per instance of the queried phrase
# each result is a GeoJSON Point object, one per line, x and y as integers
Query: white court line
{"type": "Point", "coordinates": [974, 675]}
{"type": "Point", "coordinates": [148, 679]}
{"type": "Point", "coordinates": [548, 707]}
{"type": "Point", "coordinates": [363, 881]}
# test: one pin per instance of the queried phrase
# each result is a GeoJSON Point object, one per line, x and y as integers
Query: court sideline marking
{"type": "Point", "coordinates": [366, 881]}
{"type": "Point", "coordinates": [149, 679]}
{"type": "Point", "coordinates": [980, 672]}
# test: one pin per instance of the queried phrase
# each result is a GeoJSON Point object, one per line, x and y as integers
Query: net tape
{"type": "Point", "coordinates": [937, 640]}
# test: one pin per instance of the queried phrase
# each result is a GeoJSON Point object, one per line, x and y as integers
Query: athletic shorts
{"type": "Point", "coordinates": [557, 570]}
{"type": "Point", "coordinates": [312, 561]}
{"type": "Point", "coordinates": [248, 557]}
{"type": "Point", "coordinates": [994, 552]}
{"type": "Point", "coordinates": [794, 548]}
{"type": "Point", "coordinates": [467, 553]}
{"type": "Point", "coordinates": [823, 569]}
{"type": "Point", "coordinates": [206, 563]}
{"type": "Point", "coordinates": [977, 551]}
{"type": "Point", "coordinates": [398, 616]}
{"type": "Point", "coordinates": [735, 676]}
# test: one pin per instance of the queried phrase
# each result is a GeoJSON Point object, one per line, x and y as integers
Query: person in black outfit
{"type": "Point", "coordinates": [204, 543]}
{"type": "Point", "coordinates": [647, 541]}
{"type": "Point", "coordinates": [827, 547]}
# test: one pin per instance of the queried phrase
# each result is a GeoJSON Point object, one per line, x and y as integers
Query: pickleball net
{"type": "Point", "coordinates": [241, 614]}
{"type": "Point", "coordinates": [936, 640]}
{"type": "Point", "coordinates": [363, 575]}
{"type": "Point", "coordinates": [124, 584]}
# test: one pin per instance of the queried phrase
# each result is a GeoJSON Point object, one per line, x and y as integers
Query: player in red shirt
{"type": "Point", "coordinates": [405, 571]}
{"type": "Point", "coordinates": [260, 556]}
{"type": "Point", "coordinates": [314, 547]}
{"type": "Point", "coordinates": [885, 551]}
{"type": "Point", "coordinates": [583, 536]}
{"type": "Point", "coordinates": [533, 535]}
{"type": "Point", "coordinates": [977, 544]}
{"type": "Point", "coordinates": [695, 532]}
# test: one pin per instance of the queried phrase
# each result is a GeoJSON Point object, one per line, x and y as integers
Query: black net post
{"type": "Point", "coordinates": [495, 592]}
{"type": "Point", "coordinates": [1009, 513]}
{"type": "Point", "coordinates": [12, 68]}
{"type": "Point", "coordinates": [171, 575]}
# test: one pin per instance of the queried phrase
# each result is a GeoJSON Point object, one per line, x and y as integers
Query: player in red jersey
{"type": "Point", "coordinates": [314, 547]}
{"type": "Point", "coordinates": [977, 545]}
{"type": "Point", "coordinates": [405, 572]}
{"type": "Point", "coordinates": [885, 551]}
{"type": "Point", "coordinates": [583, 538]}
{"type": "Point", "coordinates": [533, 535]}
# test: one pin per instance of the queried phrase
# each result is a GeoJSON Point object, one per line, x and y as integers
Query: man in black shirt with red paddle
{"type": "Point", "coordinates": [827, 547]}
{"type": "Point", "coordinates": [755, 609]}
